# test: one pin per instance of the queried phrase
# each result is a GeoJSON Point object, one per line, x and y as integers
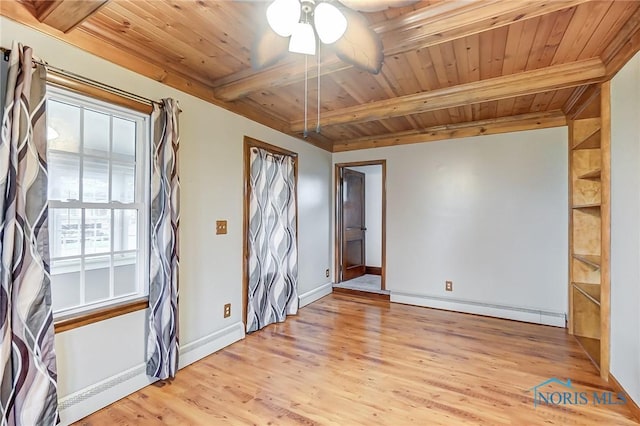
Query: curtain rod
{"type": "Point", "coordinates": [274, 154]}
{"type": "Point", "coordinates": [85, 80]}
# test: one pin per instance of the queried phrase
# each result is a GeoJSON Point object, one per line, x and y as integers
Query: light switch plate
{"type": "Point", "coordinates": [221, 227]}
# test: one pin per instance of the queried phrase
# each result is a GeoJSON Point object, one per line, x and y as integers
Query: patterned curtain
{"type": "Point", "coordinates": [28, 390]}
{"type": "Point", "coordinates": [273, 253]}
{"type": "Point", "coordinates": [162, 345]}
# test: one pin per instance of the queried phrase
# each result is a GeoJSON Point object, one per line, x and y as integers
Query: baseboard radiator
{"type": "Point", "coordinates": [517, 313]}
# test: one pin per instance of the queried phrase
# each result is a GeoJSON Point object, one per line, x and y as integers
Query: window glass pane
{"type": "Point", "coordinates": [64, 176]}
{"type": "Point", "coordinates": [64, 232]}
{"type": "Point", "coordinates": [65, 284]}
{"type": "Point", "coordinates": [95, 181]}
{"type": "Point", "coordinates": [125, 273]}
{"type": "Point", "coordinates": [125, 229]}
{"type": "Point", "coordinates": [96, 278]}
{"type": "Point", "coordinates": [63, 126]}
{"type": "Point", "coordinates": [124, 140]}
{"type": "Point", "coordinates": [96, 133]}
{"type": "Point", "coordinates": [95, 247]}
{"type": "Point", "coordinates": [97, 231]}
{"type": "Point", "coordinates": [123, 183]}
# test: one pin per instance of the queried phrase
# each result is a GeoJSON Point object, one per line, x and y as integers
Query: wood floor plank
{"type": "Point", "coordinates": [346, 360]}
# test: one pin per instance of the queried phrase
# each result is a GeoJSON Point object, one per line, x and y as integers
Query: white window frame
{"type": "Point", "coordinates": [142, 202]}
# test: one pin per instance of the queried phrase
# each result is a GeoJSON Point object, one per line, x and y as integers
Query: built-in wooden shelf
{"type": "Point", "coordinates": [586, 206]}
{"type": "Point", "coordinates": [590, 291]}
{"type": "Point", "coordinates": [590, 259]}
{"type": "Point", "coordinates": [589, 137]}
{"type": "Point", "coordinates": [589, 224]}
{"type": "Point", "coordinates": [593, 174]}
{"type": "Point", "coordinates": [591, 347]}
{"type": "Point", "coordinates": [592, 143]}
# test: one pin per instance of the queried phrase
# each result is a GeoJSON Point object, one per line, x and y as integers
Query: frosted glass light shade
{"type": "Point", "coordinates": [303, 40]}
{"type": "Point", "coordinates": [283, 15]}
{"type": "Point", "coordinates": [330, 22]}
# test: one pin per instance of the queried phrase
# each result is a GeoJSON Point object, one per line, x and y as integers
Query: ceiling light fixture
{"type": "Point", "coordinates": [330, 23]}
{"type": "Point", "coordinates": [303, 39]}
{"type": "Point", "coordinates": [291, 18]}
{"type": "Point", "coordinates": [282, 16]}
{"type": "Point", "coordinates": [338, 23]}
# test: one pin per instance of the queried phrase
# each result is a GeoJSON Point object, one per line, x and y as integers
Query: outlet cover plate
{"type": "Point", "coordinates": [221, 227]}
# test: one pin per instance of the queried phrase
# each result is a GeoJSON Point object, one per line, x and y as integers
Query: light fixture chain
{"type": "Point", "coordinates": [306, 93]}
{"type": "Point", "coordinates": [318, 120]}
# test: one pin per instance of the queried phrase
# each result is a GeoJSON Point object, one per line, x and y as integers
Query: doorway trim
{"type": "Point", "coordinates": [338, 217]}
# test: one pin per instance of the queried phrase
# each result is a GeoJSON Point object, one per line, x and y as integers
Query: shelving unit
{"type": "Point", "coordinates": [594, 174]}
{"type": "Point", "coordinates": [592, 260]}
{"type": "Point", "coordinates": [590, 291]}
{"type": "Point", "coordinates": [589, 224]}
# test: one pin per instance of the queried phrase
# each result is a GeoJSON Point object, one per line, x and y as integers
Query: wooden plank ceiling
{"type": "Point", "coordinates": [451, 67]}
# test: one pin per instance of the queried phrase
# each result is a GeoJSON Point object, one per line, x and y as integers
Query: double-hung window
{"type": "Point", "coordinates": [98, 168]}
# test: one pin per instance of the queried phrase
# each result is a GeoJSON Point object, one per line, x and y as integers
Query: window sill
{"type": "Point", "coordinates": [66, 323]}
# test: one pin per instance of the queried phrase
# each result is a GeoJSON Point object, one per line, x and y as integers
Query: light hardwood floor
{"type": "Point", "coordinates": [346, 360]}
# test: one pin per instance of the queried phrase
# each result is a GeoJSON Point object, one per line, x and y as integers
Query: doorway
{"type": "Point", "coordinates": [360, 226]}
{"type": "Point", "coordinates": [270, 235]}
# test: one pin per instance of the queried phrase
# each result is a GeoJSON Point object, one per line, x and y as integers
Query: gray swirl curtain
{"type": "Point", "coordinates": [28, 390]}
{"type": "Point", "coordinates": [163, 345]}
{"type": "Point", "coordinates": [273, 253]}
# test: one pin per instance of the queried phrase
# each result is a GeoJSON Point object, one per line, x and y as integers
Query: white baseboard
{"type": "Point", "coordinates": [194, 351]}
{"type": "Point", "coordinates": [315, 294]}
{"type": "Point", "coordinates": [480, 308]}
{"type": "Point", "coordinates": [92, 398]}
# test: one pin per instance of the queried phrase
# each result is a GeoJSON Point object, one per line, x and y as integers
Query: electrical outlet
{"type": "Point", "coordinates": [448, 285]}
{"type": "Point", "coordinates": [326, 273]}
{"type": "Point", "coordinates": [227, 310]}
{"type": "Point", "coordinates": [221, 227]}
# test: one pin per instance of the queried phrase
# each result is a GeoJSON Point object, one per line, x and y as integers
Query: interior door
{"type": "Point", "coordinates": [353, 225]}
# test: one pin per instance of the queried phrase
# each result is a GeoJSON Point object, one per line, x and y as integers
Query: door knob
{"type": "Point", "coordinates": [363, 229]}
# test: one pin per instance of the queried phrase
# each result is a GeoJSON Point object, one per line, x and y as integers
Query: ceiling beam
{"type": "Point", "coordinates": [65, 15]}
{"type": "Point", "coordinates": [494, 126]}
{"type": "Point", "coordinates": [479, 16]}
{"type": "Point", "coordinates": [419, 29]}
{"type": "Point", "coordinates": [509, 86]}
{"type": "Point", "coordinates": [246, 82]}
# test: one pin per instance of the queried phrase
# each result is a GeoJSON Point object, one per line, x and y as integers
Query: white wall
{"type": "Point", "coordinates": [373, 213]}
{"type": "Point", "coordinates": [107, 358]}
{"type": "Point", "coordinates": [625, 227]}
{"type": "Point", "coordinates": [488, 213]}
